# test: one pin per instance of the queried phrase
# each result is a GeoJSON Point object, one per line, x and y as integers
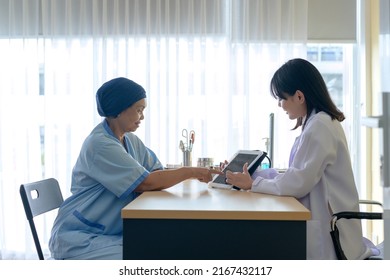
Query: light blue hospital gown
{"type": "Point", "coordinates": [104, 177]}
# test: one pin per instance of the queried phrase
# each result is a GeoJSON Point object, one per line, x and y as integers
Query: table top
{"type": "Point", "coordinates": [192, 199]}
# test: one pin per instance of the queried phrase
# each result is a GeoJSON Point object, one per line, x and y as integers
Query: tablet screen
{"type": "Point", "coordinates": [253, 158]}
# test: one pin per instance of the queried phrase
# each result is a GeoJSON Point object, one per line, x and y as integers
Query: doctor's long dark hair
{"type": "Point", "coordinates": [299, 74]}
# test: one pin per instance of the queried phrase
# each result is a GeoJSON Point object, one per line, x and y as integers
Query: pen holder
{"type": "Point", "coordinates": [187, 158]}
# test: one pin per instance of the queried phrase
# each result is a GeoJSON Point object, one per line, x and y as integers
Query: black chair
{"type": "Point", "coordinates": [334, 232]}
{"type": "Point", "coordinates": [38, 198]}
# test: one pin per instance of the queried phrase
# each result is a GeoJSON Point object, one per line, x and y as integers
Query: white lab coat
{"type": "Point", "coordinates": [320, 176]}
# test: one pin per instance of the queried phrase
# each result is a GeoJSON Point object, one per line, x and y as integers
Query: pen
{"type": "Point", "coordinates": [192, 139]}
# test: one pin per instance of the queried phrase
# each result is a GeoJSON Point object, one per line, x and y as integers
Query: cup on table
{"type": "Point", "coordinates": [205, 162]}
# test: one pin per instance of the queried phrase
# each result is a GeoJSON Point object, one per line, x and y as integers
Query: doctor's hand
{"type": "Point", "coordinates": [242, 180]}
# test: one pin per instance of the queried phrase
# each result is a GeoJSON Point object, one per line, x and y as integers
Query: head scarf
{"type": "Point", "coordinates": [116, 95]}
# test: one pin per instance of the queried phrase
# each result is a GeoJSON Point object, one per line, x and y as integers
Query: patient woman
{"type": "Point", "coordinates": [320, 172]}
{"type": "Point", "coordinates": [113, 168]}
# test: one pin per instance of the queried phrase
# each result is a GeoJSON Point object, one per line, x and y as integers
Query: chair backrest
{"type": "Point", "coordinates": [38, 198]}
{"type": "Point", "coordinates": [334, 232]}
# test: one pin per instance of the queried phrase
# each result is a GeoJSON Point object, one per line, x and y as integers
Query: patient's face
{"type": "Point", "coordinates": [130, 119]}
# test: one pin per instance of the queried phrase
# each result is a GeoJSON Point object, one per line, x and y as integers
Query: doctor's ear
{"type": "Point", "coordinates": [300, 96]}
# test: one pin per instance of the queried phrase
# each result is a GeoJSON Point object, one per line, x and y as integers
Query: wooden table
{"type": "Point", "coordinates": [193, 221]}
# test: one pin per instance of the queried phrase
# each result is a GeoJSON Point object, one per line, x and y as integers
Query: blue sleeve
{"type": "Point", "coordinates": [145, 156]}
{"type": "Point", "coordinates": [117, 170]}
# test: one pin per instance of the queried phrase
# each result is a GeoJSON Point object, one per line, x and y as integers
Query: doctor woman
{"type": "Point", "coordinates": [320, 174]}
{"type": "Point", "coordinates": [113, 168]}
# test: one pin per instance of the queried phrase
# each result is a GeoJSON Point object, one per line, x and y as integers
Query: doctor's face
{"type": "Point", "coordinates": [294, 106]}
{"type": "Point", "coordinates": [130, 119]}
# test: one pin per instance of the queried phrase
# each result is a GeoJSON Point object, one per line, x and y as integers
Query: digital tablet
{"type": "Point", "coordinates": [236, 163]}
